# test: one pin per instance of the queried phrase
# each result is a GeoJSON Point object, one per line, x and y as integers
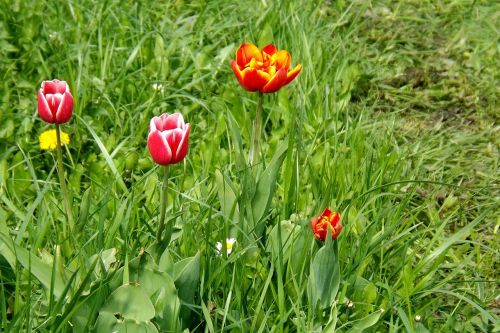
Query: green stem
{"type": "Point", "coordinates": [163, 208]}
{"type": "Point", "coordinates": [257, 128]}
{"type": "Point", "coordinates": [62, 181]}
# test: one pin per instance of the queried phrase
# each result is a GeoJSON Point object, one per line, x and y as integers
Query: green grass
{"type": "Point", "coordinates": [393, 122]}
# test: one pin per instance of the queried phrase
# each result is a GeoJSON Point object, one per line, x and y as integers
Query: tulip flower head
{"type": "Point", "coordinates": [55, 102]}
{"type": "Point", "coordinates": [168, 138]}
{"type": "Point", "coordinates": [48, 139]}
{"type": "Point", "coordinates": [321, 223]}
{"type": "Point", "coordinates": [265, 70]}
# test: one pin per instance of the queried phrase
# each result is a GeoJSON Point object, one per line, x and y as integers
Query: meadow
{"type": "Point", "coordinates": [393, 122]}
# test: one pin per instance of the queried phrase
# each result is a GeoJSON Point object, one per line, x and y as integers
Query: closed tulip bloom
{"type": "Point", "coordinates": [55, 102]}
{"type": "Point", "coordinates": [265, 70]}
{"type": "Point", "coordinates": [168, 138]}
{"type": "Point", "coordinates": [328, 219]}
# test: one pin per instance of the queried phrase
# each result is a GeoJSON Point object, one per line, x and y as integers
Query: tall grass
{"type": "Point", "coordinates": [393, 122]}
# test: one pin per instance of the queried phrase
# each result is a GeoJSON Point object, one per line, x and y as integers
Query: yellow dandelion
{"type": "Point", "coordinates": [48, 139]}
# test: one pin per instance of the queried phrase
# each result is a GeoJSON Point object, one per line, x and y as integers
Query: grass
{"type": "Point", "coordinates": [393, 122]}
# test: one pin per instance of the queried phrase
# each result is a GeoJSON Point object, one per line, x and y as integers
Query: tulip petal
{"type": "Point", "coordinates": [152, 124]}
{"type": "Point", "coordinates": [277, 81]}
{"type": "Point", "coordinates": [159, 149]}
{"type": "Point", "coordinates": [326, 212]}
{"type": "Point", "coordinates": [246, 52]}
{"type": "Point", "coordinates": [282, 59]}
{"type": "Point", "coordinates": [55, 87]}
{"type": "Point", "coordinates": [182, 148]}
{"type": "Point", "coordinates": [173, 121]}
{"type": "Point", "coordinates": [173, 138]}
{"type": "Point", "coordinates": [237, 72]}
{"type": "Point", "coordinates": [293, 73]}
{"type": "Point", "coordinates": [44, 109]}
{"type": "Point", "coordinates": [65, 109]}
{"type": "Point", "coordinates": [254, 79]}
{"type": "Point", "coordinates": [270, 49]}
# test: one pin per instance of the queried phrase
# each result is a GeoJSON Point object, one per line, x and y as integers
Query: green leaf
{"type": "Point", "coordinates": [289, 233]}
{"type": "Point", "coordinates": [84, 208]}
{"type": "Point", "coordinates": [106, 155]}
{"type": "Point", "coordinates": [266, 184]}
{"type": "Point", "coordinates": [366, 322]}
{"type": "Point", "coordinates": [324, 280]}
{"type": "Point", "coordinates": [42, 271]}
{"type": "Point", "coordinates": [227, 196]}
{"type": "Point", "coordinates": [166, 263]}
{"type": "Point", "coordinates": [187, 277]}
{"type": "Point", "coordinates": [130, 302]}
{"type": "Point", "coordinates": [237, 142]}
{"type": "Point", "coordinates": [107, 322]}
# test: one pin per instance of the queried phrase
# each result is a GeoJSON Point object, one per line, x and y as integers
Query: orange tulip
{"type": "Point", "coordinates": [265, 70]}
{"type": "Point", "coordinates": [320, 224]}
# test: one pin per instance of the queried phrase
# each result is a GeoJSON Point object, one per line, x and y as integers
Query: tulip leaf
{"type": "Point", "coordinates": [265, 187]}
{"type": "Point", "coordinates": [237, 142]}
{"type": "Point", "coordinates": [324, 279]}
{"type": "Point", "coordinates": [130, 302]}
{"type": "Point", "coordinates": [227, 197]}
{"type": "Point", "coordinates": [187, 277]}
{"type": "Point", "coordinates": [108, 322]}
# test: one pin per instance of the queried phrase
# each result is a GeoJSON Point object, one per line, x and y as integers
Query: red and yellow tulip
{"type": "Point", "coordinates": [265, 70]}
{"type": "Point", "coordinates": [321, 223]}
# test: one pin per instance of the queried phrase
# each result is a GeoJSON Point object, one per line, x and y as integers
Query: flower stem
{"type": "Point", "coordinates": [62, 181]}
{"type": "Point", "coordinates": [163, 208]}
{"type": "Point", "coordinates": [257, 127]}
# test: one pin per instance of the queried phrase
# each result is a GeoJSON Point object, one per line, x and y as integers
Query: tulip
{"type": "Point", "coordinates": [168, 138]}
{"type": "Point", "coordinates": [55, 102]}
{"type": "Point", "coordinates": [320, 225]}
{"type": "Point", "coordinates": [265, 70]}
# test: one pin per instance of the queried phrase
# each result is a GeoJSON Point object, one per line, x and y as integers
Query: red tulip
{"type": "Point", "coordinates": [55, 102]}
{"type": "Point", "coordinates": [265, 70]}
{"type": "Point", "coordinates": [168, 138]}
{"type": "Point", "coordinates": [320, 224]}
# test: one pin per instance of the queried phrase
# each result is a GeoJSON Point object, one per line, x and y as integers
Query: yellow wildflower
{"type": "Point", "coordinates": [48, 139]}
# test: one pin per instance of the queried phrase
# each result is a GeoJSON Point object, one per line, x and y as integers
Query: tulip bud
{"type": "Point", "coordinates": [55, 102]}
{"type": "Point", "coordinates": [327, 219]}
{"type": "Point", "coordinates": [168, 138]}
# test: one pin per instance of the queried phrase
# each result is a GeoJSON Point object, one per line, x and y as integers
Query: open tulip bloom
{"type": "Point", "coordinates": [55, 102]}
{"type": "Point", "coordinates": [265, 70]}
{"type": "Point", "coordinates": [327, 219]}
{"type": "Point", "coordinates": [168, 142]}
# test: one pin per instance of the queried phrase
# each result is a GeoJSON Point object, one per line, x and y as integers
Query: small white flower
{"type": "Point", "coordinates": [418, 318]}
{"type": "Point", "coordinates": [350, 304]}
{"type": "Point", "coordinates": [158, 87]}
{"type": "Point", "coordinates": [229, 245]}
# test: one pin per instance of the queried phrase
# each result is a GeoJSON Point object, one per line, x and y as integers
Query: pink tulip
{"type": "Point", "coordinates": [168, 138]}
{"type": "Point", "coordinates": [55, 102]}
